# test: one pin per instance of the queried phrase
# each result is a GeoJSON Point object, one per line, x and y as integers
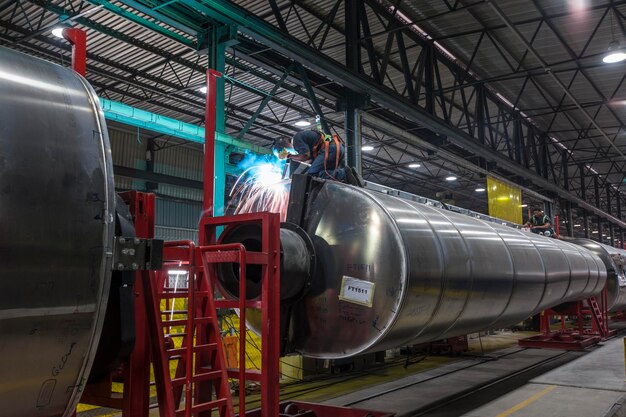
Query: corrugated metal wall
{"type": "Point", "coordinates": [177, 208]}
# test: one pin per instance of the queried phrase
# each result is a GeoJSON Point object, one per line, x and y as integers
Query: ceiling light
{"type": "Point", "coordinates": [595, 231]}
{"type": "Point", "coordinates": [450, 178]}
{"type": "Point", "coordinates": [58, 31]}
{"type": "Point", "coordinates": [367, 148]}
{"type": "Point", "coordinates": [480, 190]}
{"type": "Point", "coordinates": [302, 123]}
{"type": "Point", "coordinates": [614, 54]}
{"type": "Point", "coordinates": [524, 205]}
{"type": "Point", "coordinates": [202, 89]}
{"type": "Point", "coordinates": [576, 225]}
{"type": "Point", "coordinates": [414, 165]}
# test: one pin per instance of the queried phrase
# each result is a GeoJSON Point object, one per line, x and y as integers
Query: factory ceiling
{"type": "Point", "coordinates": [516, 88]}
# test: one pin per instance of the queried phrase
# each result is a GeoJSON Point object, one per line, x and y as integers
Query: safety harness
{"type": "Point", "coordinates": [544, 220]}
{"type": "Point", "coordinates": [324, 141]}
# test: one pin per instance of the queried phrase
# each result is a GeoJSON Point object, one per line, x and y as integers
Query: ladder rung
{"type": "Point", "coordinates": [221, 402]}
{"type": "Point", "coordinates": [174, 289]}
{"type": "Point", "coordinates": [205, 347]}
{"type": "Point", "coordinates": [166, 312]}
{"type": "Point", "coordinates": [174, 294]}
{"type": "Point", "coordinates": [251, 375]}
{"type": "Point", "coordinates": [176, 334]}
{"type": "Point", "coordinates": [179, 352]}
{"type": "Point", "coordinates": [235, 304]}
{"type": "Point", "coordinates": [207, 376]}
{"type": "Point", "coordinates": [203, 320]}
{"type": "Point", "coordinates": [178, 381]}
{"type": "Point", "coordinates": [171, 323]}
{"type": "Point", "coordinates": [176, 352]}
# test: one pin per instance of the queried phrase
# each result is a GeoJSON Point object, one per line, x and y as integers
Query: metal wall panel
{"type": "Point", "coordinates": [173, 191]}
{"type": "Point", "coordinates": [180, 161]}
{"type": "Point", "coordinates": [175, 233]}
{"type": "Point", "coordinates": [127, 148]}
{"type": "Point", "coordinates": [173, 213]}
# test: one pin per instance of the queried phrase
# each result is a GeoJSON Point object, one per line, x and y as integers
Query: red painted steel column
{"type": "Point", "coordinates": [78, 39]}
{"type": "Point", "coordinates": [137, 369]}
{"type": "Point", "coordinates": [557, 227]}
{"type": "Point", "coordinates": [209, 145]}
{"type": "Point", "coordinates": [270, 366]}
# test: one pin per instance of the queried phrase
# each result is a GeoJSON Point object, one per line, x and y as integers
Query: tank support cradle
{"type": "Point", "coordinates": [579, 337]}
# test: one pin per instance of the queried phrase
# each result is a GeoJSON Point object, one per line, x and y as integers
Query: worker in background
{"type": "Point", "coordinates": [540, 224]}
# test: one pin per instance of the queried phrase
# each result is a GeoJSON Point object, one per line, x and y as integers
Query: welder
{"type": "Point", "coordinates": [325, 153]}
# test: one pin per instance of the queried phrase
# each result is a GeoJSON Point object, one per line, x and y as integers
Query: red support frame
{"type": "Point", "coordinates": [573, 339]}
{"type": "Point", "coordinates": [135, 399]}
{"type": "Point", "coordinates": [209, 142]}
{"type": "Point", "coordinates": [78, 39]}
{"type": "Point", "coordinates": [269, 302]}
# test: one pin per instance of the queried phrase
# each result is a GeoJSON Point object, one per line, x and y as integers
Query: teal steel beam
{"type": "Point", "coordinates": [133, 116]}
{"type": "Point", "coordinates": [144, 22]}
{"type": "Point", "coordinates": [187, 27]}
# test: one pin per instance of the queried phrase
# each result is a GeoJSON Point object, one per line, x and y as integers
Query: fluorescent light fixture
{"type": "Point", "coordinates": [614, 54]}
{"type": "Point", "coordinates": [577, 225]}
{"type": "Point", "coordinates": [177, 272]}
{"type": "Point", "coordinates": [302, 123]}
{"type": "Point", "coordinates": [367, 148]}
{"type": "Point", "coordinates": [524, 205]}
{"type": "Point", "coordinates": [595, 232]}
{"type": "Point", "coordinates": [202, 89]}
{"type": "Point", "coordinates": [480, 190]}
{"type": "Point", "coordinates": [450, 178]}
{"type": "Point", "coordinates": [58, 31]}
{"type": "Point", "coordinates": [414, 165]}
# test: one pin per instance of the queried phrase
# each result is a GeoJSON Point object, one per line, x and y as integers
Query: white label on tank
{"type": "Point", "coordinates": [357, 291]}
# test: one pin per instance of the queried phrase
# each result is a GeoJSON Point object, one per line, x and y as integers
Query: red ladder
{"type": "Point", "coordinates": [598, 316]}
{"type": "Point", "coordinates": [201, 377]}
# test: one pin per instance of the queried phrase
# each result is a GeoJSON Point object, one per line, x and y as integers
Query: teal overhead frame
{"type": "Point", "coordinates": [132, 116]}
{"type": "Point", "coordinates": [145, 22]}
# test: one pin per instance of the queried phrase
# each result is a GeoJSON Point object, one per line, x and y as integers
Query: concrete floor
{"type": "Point", "coordinates": [433, 393]}
{"type": "Point", "coordinates": [586, 387]}
{"type": "Point", "coordinates": [506, 382]}
{"type": "Point", "coordinates": [519, 383]}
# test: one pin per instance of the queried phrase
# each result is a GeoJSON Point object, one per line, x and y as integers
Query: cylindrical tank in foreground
{"type": "Point", "coordinates": [614, 260]}
{"type": "Point", "coordinates": [392, 272]}
{"type": "Point", "coordinates": [56, 231]}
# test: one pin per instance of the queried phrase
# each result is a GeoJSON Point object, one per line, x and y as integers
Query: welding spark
{"type": "Point", "coordinates": [261, 187]}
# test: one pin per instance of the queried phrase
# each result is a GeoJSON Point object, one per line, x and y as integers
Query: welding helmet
{"type": "Point", "coordinates": [281, 147]}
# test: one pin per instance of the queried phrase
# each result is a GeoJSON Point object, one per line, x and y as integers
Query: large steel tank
{"type": "Point", "coordinates": [56, 231]}
{"type": "Point", "coordinates": [392, 272]}
{"type": "Point", "coordinates": [614, 260]}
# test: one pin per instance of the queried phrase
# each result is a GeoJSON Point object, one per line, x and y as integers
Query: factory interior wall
{"type": "Point", "coordinates": [178, 208]}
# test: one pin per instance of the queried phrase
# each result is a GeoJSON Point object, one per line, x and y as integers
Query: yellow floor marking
{"type": "Point", "coordinates": [527, 401]}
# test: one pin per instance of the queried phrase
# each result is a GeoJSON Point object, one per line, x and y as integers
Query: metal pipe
{"type": "Point", "coordinates": [392, 272]}
{"type": "Point", "coordinates": [56, 234]}
{"type": "Point", "coordinates": [614, 260]}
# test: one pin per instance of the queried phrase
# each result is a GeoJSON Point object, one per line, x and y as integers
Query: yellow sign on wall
{"type": "Point", "coordinates": [505, 201]}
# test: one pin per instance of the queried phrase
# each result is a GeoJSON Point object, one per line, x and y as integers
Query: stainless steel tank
{"type": "Point", "coordinates": [56, 230]}
{"type": "Point", "coordinates": [392, 272]}
{"type": "Point", "coordinates": [614, 260]}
